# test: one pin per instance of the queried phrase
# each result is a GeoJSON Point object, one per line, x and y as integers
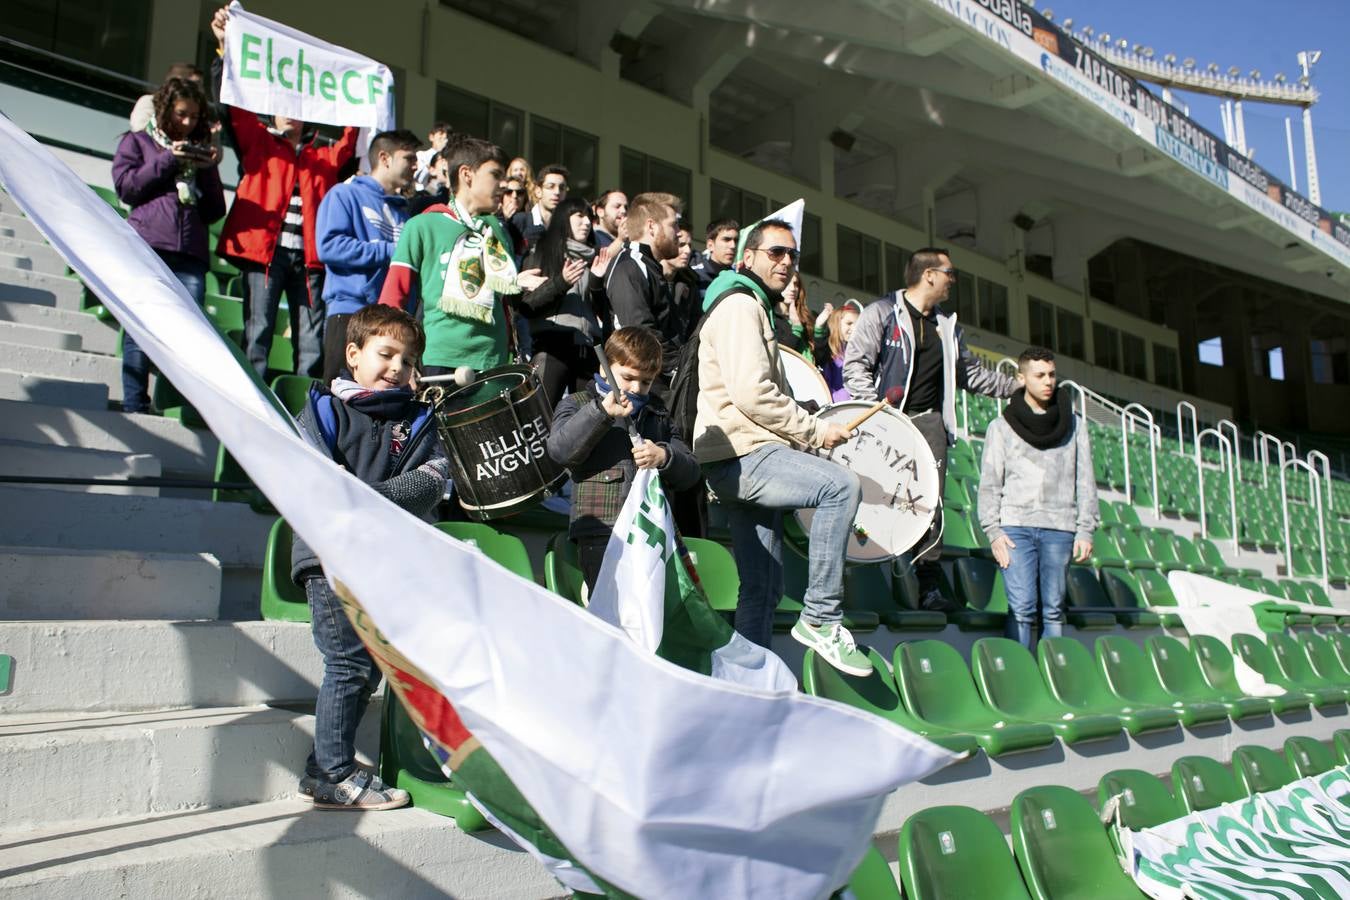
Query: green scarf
{"type": "Point", "coordinates": [478, 267]}
{"type": "Point", "coordinates": [730, 279]}
{"type": "Point", "coordinates": [186, 181]}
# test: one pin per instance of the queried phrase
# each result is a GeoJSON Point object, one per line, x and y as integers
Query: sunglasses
{"type": "Point", "coordinates": [777, 253]}
{"type": "Point", "coordinates": [950, 273]}
{"type": "Point", "coordinates": [519, 192]}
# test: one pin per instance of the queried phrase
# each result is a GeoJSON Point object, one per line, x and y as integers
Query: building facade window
{"type": "Point", "coordinates": [1069, 334]}
{"type": "Point", "coordinates": [895, 259]}
{"type": "Point", "coordinates": [552, 142]}
{"type": "Point", "coordinates": [1166, 367]}
{"type": "Point", "coordinates": [811, 262]}
{"type": "Point", "coordinates": [1329, 361]}
{"type": "Point", "coordinates": [481, 117]}
{"type": "Point", "coordinates": [1134, 362]}
{"type": "Point", "coordinates": [1106, 346]}
{"type": "Point", "coordinates": [961, 298]}
{"type": "Point", "coordinates": [640, 173]}
{"type": "Point", "coordinates": [1210, 351]}
{"type": "Point", "coordinates": [730, 202]}
{"type": "Point", "coordinates": [993, 307]}
{"type": "Point", "coordinates": [109, 34]}
{"type": "Point", "coordinates": [1041, 319]}
{"type": "Point", "coordinates": [859, 260]}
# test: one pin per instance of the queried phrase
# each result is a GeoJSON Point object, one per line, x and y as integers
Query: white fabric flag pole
{"type": "Point", "coordinates": [792, 214]}
{"type": "Point", "coordinates": [274, 69]}
{"type": "Point", "coordinates": [660, 781]}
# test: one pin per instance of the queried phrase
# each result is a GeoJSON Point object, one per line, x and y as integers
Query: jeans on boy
{"type": "Point", "coordinates": [304, 295]}
{"type": "Point", "coordinates": [756, 490]}
{"type": "Point", "coordinates": [1037, 572]}
{"type": "Point", "coordinates": [136, 366]}
{"type": "Point", "coordinates": [350, 676]}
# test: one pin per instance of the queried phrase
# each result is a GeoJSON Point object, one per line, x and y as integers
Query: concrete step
{"type": "Point", "coordinates": [40, 288]}
{"type": "Point", "coordinates": [181, 451]}
{"type": "Point", "coordinates": [40, 255]}
{"type": "Point", "coordinates": [281, 849]}
{"type": "Point", "coordinates": [26, 387]}
{"type": "Point", "coordinates": [95, 336]}
{"type": "Point", "coordinates": [56, 583]}
{"type": "Point", "coordinates": [64, 364]}
{"type": "Point", "coordinates": [15, 225]}
{"type": "Point", "coordinates": [119, 765]}
{"type": "Point", "coordinates": [231, 532]}
{"type": "Point", "coordinates": [95, 665]}
{"type": "Point", "coordinates": [24, 458]}
{"type": "Point", "coordinates": [39, 336]}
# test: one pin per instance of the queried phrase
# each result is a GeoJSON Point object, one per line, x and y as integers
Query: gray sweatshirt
{"type": "Point", "coordinates": [1020, 485]}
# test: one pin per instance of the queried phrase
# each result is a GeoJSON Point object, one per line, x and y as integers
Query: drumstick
{"type": "Point", "coordinates": [613, 385]}
{"type": "Point", "coordinates": [893, 398]}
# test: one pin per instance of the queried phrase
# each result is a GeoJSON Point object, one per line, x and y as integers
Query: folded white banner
{"type": "Point", "coordinates": [274, 69]}
{"type": "Point", "coordinates": [660, 781]}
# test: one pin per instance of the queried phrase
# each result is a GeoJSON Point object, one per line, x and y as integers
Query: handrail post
{"type": "Point", "coordinates": [1147, 417]}
{"type": "Point", "coordinates": [1315, 455]}
{"type": "Point", "coordinates": [1237, 442]}
{"type": "Point", "coordinates": [1125, 454]}
{"type": "Point", "coordinates": [998, 367]}
{"type": "Point", "coordinates": [1225, 462]}
{"type": "Point", "coordinates": [1195, 424]}
{"type": "Point", "coordinates": [1315, 488]}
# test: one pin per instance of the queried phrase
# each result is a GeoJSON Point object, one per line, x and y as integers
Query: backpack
{"type": "Point", "coordinates": [683, 403]}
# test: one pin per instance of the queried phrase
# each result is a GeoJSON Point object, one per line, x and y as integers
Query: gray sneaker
{"type": "Point", "coordinates": [360, 791]}
{"type": "Point", "coordinates": [835, 645]}
{"type": "Point", "coordinates": [308, 785]}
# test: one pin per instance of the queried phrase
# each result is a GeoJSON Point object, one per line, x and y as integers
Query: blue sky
{"type": "Point", "coordinates": [1251, 34]}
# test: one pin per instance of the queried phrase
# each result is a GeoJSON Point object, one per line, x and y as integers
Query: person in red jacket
{"type": "Point", "coordinates": [269, 233]}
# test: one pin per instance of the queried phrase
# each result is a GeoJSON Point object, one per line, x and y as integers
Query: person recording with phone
{"type": "Point", "coordinates": [565, 312]}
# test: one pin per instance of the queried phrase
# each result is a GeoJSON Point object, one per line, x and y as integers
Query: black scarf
{"type": "Point", "coordinates": [1040, 430]}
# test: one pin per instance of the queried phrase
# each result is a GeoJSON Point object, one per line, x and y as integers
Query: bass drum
{"type": "Point", "coordinates": [899, 482]}
{"type": "Point", "coordinates": [803, 378]}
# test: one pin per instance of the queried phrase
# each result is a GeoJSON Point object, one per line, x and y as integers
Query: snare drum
{"type": "Point", "coordinates": [495, 432]}
{"type": "Point", "coordinates": [899, 482]}
{"type": "Point", "coordinates": [803, 378]}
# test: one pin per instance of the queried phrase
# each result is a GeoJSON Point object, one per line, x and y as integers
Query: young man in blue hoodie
{"type": "Point", "coordinates": [358, 225]}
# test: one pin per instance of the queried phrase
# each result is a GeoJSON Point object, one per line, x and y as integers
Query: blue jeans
{"type": "Point", "coordinates": [135, 364]}
{"type": "Point", "coordinates": [757, 489]}
{"type": "Point", "coordinates": [304, 296]}
{"type": "Point", "coordinates": [1035, 577]}
{"type": "Point", "coordinates": [350, 676]}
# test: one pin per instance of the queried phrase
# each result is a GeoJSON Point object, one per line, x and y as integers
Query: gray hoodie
{"type": "Point", "coordinates": [1020, 485]}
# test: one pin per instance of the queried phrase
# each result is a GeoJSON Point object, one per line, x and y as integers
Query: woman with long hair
{"type": "Point", "coordinates": [830, 355]}
{"type": "Point", "coordinates": [566, 312]}
{"type": "Point", "coordinates": [521, 170]}
{"type": "Point", "coordinates": [166, 173]}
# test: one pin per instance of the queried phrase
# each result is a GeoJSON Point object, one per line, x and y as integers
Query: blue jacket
{"type": "Point", "coordinates": [356, 231]}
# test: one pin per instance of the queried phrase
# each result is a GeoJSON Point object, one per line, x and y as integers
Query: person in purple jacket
{"type": "Point", "coordinates": [167, 175]}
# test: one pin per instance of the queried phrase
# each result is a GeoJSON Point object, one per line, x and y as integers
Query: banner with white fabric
{"type": "Point", "coordinates": [1212, 607]}
{"type": "Point", "coordinates": [657, 780]}
{"type": "Point", "coordinates": [277, 70]}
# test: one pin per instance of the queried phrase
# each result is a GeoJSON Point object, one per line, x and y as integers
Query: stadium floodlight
{"type": "Point", "coordinates": [1068, 24]}
{"type": "Point", "coordinates": [1170, 59]}
{"type": "Point", "coordinates": [1212, 68]}
{"type": "Point", "coordinates": [1123, 45]}
{"type": "Point", "coordinates": [1049, 14]}
{"type": "Point", "coordinates": [1189, 62]}
{"type": "Point", "coordinates": [1106, 38]}
{"type": "Point", "coordinates": [1280, 78]}
{"type": "Point", "coordinates": [1254, 74]}
{"type": "Point", "coordinates": [1234, 71]}
{"type": "Point", "coordinates": [1148, 53]}
{"type": "Point", "coordinates": [1087, 30]}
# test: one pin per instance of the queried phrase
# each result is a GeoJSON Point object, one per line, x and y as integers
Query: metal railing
{"type": "Point", "coordinates": [1312, 458]}
{"type": "Point", "coordinates": [1237, 442]}
{"type": "Point", "coordinates": [1155, 437]}
{"type": "Point", "coordinates": [1316, 491]}
{"type": "Point", "coordinates": [1195, 426]}
{"type": "Point", "coordinates": [1226, 455]}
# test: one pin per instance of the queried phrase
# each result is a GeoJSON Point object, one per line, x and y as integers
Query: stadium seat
{"type": "Point", "coordinates": [562, 572]}
{"type": "Point", "coordinates": [1259, 655]}
{"type": "Point", "coordinates": [936, 687]}
{"type": "Point", "coordinates": [876, 693]}
{"type": "Point", "coordinates": [1292, 655]}
{"type": "Point", "coordinates": [1324, 660]}
{"type": "Point", "coordinates": [1200, 783]}
{"type": "Point", "coordinates": [1145, 800]}
{"type": "Point", "coordinates": [109, 196]}
{"type": "Point", "coordinates": [961, 461]}
{"type": "Point", "coordinates": [406, 763]}
{"type": "Point", "coordinates": [1162, 551]}
{"type": "Point", "coordinates": [957, 537]}
{"type": "Point", "coordinates": [1126, 592]}
{"type": "Point", "coordinates": [1259, 770]}
{"type": "Point", "coordinates": [872, 880]}
{"type": "Point", "coordinates": [1340, 642]}
{"type": "Point", "coordinates": [1085, 604]}
{"type": "Point", "coordinates": [1072, 677]}
{"type": "Point", "coordinates": [282, 599]}
{"type": "Point", "coordinates": [506, 550]}
{"type": "Point", "coordinates": [1180, 676]}
{"type": "Point", "coordinates": [1130, 678]}
{"type": "Point", "coordinates": [979, 586]}
{"type": "Point", "coordinates": [226, 313]}
{"type": "Point", "coordinates": [1309, 756]}
{"type": "Point", "coordinates": [794, 586]}
{"type": "Point", "coordinates": [1216, 664]}
{"type": "Point", "coordinates": [1209, 552]}
{"type": "Point", "coordinates": [1104, 552]}
{"type": "Point", "coordinates": [866, 590]}
{"type": "Point", "coordinates": [1127, 514]}
{"type": "Point", "coordinates": [1062, 849]}
{"type": "Point", "coordinates": [1009, 683]}
{"type": "Point", "coordinates": [1341, 742]}
{"type": "Point", "coordinates": [1117, 594]}
{"type": "Point", "coordinates": [229, 471]}
{"type": "Point", "coordinates": [293, 391]}
{"type": "Point", "coordinates": [956, 853]}
{"type": "Point", "coordinates": [1133, 549]}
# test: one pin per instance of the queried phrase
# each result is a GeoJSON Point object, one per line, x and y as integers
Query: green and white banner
{"type": "Point", "coordinates": [274, 69]}
{"type": "Point", "coordinates": [1290, 843]}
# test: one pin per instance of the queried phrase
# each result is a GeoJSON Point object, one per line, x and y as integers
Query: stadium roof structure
{"type": "Point", "coordinates": [991, 91]}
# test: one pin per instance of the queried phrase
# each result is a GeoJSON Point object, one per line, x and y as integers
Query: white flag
{"type": "Point", "coordinates": [657, 780]}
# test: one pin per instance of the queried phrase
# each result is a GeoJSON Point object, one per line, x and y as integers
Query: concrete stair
{"type": "Point", "coordinates": [95, 336]}
{"type": "Point", "coordinates": [66, 365]}
{"type": "Point", "coordinates": [40, 287]}
{"type": "Point", "coordinates": [39, 336]}
{"type": "Point", "coordinates": [57, 583]}
{"type": "Point", "coordinates": [38, 460]}
{"type": "Point", "coordinates": [53, 391]}
{"type": "Point", "coordinates": [16, 226]}
{"type": "Point", "coordinates": [36, 256]}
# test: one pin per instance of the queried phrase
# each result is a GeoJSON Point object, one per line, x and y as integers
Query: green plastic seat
{"type": "Point", "coordinates": [1062, 848]}
{"type": "Point", "coordinates": [979, 587]}
{"type": "Point", "coordinates": [956, 853]}
{"type": "Point", "coordinates": [1072, 677]}
{"type": "Point", "coordinates": [872, 880]}
{"type": "Point", "coordinates": [226, 312]}
{"type": "Point", "coordinates": [795, 573]}
{"type": "Point", "coordinates": [954, 494]}
{"type": "Point", "coordinates": [282, 599]}
{"type": "Point", "coordinates": [228, 470]}
{"type": "Point", "coordinates": [1087, 607]}
{"type": "Point", "coordinates": [936, 687]}
{"type": "Point", "coordinates": [1145, 800]}
{"type": "Point", "coordinates": [1259, 770]}
{"type": "Point", "coordinates": [1180, 675]}
{"type": "Point", "coordinates": [506, 550]}
{"type": "Point", "coordinates": [1133, 549]}
{"type": "Point", "coordinates": [1127, 514]}
{"type": "Point", "coordinates": [1121, 589]}
{"type": "Point", "coordinates": [957, 537]}
{"type": "Point", "coordinates": [405, 762]}
{"type": "Point", "coordinates": [1104, 552]}
{"type": "Point", "coordinates": [1340, 643]}
{"type": "Point", "coordinates": [1209, 552]}
{"type": "Point", "coordinates": [1189, 555]}
{"type": "Point", "coordinates": [1340, 740]}
{"type": "Point", "coordinates": [1201, 783]}
{"type": "Point", "coordinates": [1107, 511]}
{"type": "Point", "coordinates": [1162, 551]}
{"type": "Point", "coordinates": [1292, 656]}
{"type": "Point", "coordinates": [1010, 684]}
{"type": "Point", "coordinates": [1259, 656]}
{"type": "Point", "coordinates": [876, 693]}
{"type": "Point", "coordinates": [1126, 670]}
{"type": "Point", "coordinates": [109, 196]}
{"type": "Point", "coordinates": [293, 391]}
{"type": "Point", "coordinates": [1324, 660]}
{"type": "Point", "coordinates": [562, 570]}
{"type": "Point", "coordinates": [1309, 756]}
{"type": "Point", "coordinates": [1217, 665]}
{"type": "Point", "coordinates": [961, 461]}
{"type": "Point", "coordinates": [866, 590]}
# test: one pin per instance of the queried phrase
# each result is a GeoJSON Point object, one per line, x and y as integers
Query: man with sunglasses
{"type": "Point", "coordinates": [752, 439]}
{"type": "Point", "coordinates": [512, 197]}
{"type": "Point", "coordinates": [906, 341]}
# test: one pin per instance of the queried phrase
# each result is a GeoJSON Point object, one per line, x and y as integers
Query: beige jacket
{"type": "Point", "coordinates": [744, 401]}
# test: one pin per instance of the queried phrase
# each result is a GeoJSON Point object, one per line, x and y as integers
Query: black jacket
{"type": "Point", "coordinates": [635, 288]}
{"type": "Point", "coordinates": [703, 266]}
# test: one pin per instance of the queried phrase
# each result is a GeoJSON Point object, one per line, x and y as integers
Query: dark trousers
{"type": "Point", "coordinates": [590, 556]}
{"type": "Point", "coordinates": [935, 434]}
{"type": "Point", "coordinates": [563, 364]}
{"type": "Point", "coordinates": [303, 287]}
{"type": "Point", "coordinates": [334, 345]}
{"type": "Point", "coordinates": [136, 365]}
{"type": "Point", "coordinates": [350, 676]}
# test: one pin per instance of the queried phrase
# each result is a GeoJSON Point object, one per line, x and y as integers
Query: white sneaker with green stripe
{"type": "Point", "coordinates": [835, 645]}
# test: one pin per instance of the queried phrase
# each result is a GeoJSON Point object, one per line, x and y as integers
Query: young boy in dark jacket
{"type": "Point", "coordinates": [371, 425]}
{"type": "Point", "coordinates": [590, 437]}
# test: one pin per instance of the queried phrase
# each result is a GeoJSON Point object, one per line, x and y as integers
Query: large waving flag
{"type": "Point", "coordinates": [658, 781]}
